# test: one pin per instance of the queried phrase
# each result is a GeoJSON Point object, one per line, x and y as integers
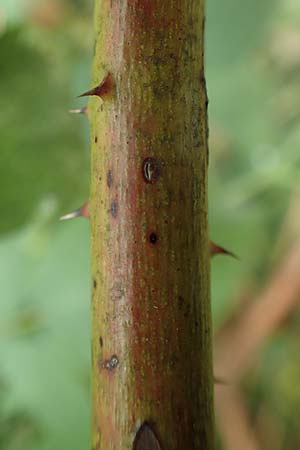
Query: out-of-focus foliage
{"type": "Point", "coordinates": [255, 134]}
{"type": "Point", "coordinates": [253, 67]}
{"type": "Point", "coordinates": [45, 50]}
{"type": "Point", "coordinates": [43, 153]}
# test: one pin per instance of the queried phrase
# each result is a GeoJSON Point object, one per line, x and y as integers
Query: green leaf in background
{"type": "Point", "coordinates": [42, 152]}
{"type": "Point", "coordinates": [44, 337]}
{"type": "Point", "coordinates": [13, 11]}
{"type": "Point", "coordinates": [234, 29]}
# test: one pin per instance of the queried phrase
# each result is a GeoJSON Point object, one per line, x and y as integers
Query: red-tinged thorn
{"type": "Point", "coordinates": [85, 212]}
{"type": "Point", "coordinates": [146, 439]}
{"type": "Point", "coordinates": [80, 212]}
{"type": "Point", "coordinates": [79, 110]}
{"type": "Point", "coordinates": [218, 250]}
{"type": "Point", "coordinates": [103, 90]}
{"type": "Point", "coordinates": [221, 381]}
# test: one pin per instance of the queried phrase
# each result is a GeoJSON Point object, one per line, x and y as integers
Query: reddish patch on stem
{"type": "Point", "coordinates": [103, 90]}
{"type": "Point", "coordinates": [145, 11]}
{"type": "Point", "coordinates": [148, 6]}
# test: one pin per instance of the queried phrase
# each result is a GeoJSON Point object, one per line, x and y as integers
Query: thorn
{"type": "Point", "coordinates": [218, 250]}
{"type": "Point", "coordinates": [71, 215]}
{"type": "Point", "coordinates": [221, 381]}
{"type": "Point", "coordinates": [103, 90]}
{"type": "Point", "coordinates": [146, 438]}
{"type": "Point", "coordinates": [85, 210]}
{"type": "Point", "coordinates": [79, 110]}
{"type": "Point", "coordinates": [80, 212]}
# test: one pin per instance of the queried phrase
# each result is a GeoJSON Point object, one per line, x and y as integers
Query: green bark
{"type": "Point", "coordinates": [151, 320]}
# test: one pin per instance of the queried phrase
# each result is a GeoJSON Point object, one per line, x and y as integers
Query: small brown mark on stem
{"type": "Point", "coordinates": [180, 302]}
{"type": "Point", "coordinates": [173, 360]}
{"type": "Point", "coordinates": [96, 139]}
{"type": "Point", "coordinates": [153, 238]}
{"type": "Point", "coordinates": [114, 208]}
{"type": "Point", "coordinates": [101, 341]}
{"type": "Point", "coordinates": [94, 284]}
{"type": "Point", "coordinates": [109, 179]}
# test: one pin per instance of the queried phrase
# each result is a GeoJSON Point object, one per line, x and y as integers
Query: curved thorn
{"type": "Point", "coordinates": [218, 250]}
{"type": "Point", "coordinates": [83, 211]}
{"type": "Point", "coordinates": [222, 381]}
{"type": "Point", "coordinates": [104, 89]}
{"type": "Point", "coordinates": [71, 215]}
{"type": "Point", "coordinates": [146, 438]}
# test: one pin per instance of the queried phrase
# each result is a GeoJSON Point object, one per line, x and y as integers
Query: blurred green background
{"type": "Point", "coordinates": [253, 76]}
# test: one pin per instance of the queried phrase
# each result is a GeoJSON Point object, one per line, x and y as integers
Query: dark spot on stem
{"type": "Point", "coordinates": [109, 179]}
{"type": "Point", "coordinates": [114, 208]}
{"type": "Point", "coordinates": [101, 341]}
{"type": "Point", "coordinates": [153, 238]}
{"type": "Point", "coordinates": [96, 139]}
{"type": "Point", "coordinates": [111, 364]}
{"type": "Point", "coordinates": [173, 360]}
{"type": "Point", "coordinates": [180, 301]}
{"type": "Point", "coordinates": [151, 170]}
{"type": "Point", "coordinates": [94, 284]}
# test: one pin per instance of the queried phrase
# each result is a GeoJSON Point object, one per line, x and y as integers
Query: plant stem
{"type": "Point", "coordinates": [151, 333]}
